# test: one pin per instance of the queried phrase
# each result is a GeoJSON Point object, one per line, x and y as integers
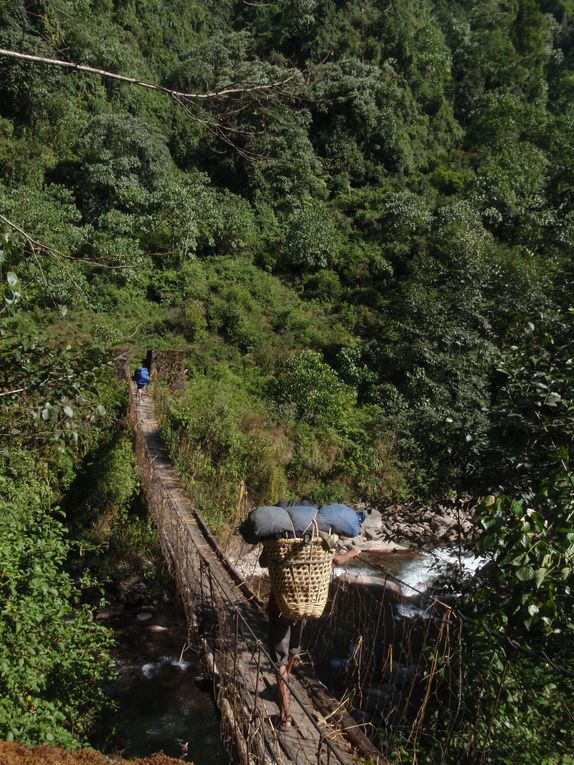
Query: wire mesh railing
{"type": "Point", "coordinates": [434, 685]}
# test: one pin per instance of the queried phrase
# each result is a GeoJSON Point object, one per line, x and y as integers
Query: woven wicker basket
{"type": "Point", "coordinates": [300, 572]}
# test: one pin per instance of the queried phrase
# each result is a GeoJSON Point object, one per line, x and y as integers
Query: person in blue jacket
{"type": "Point", "coordinates": [141, 378]}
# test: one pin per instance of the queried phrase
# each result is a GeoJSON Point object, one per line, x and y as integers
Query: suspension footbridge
{"type": "Point", "coordinates": [226, 622]}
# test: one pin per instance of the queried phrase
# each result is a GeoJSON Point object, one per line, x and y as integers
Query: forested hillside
{"type": "Point", "coordinates": [354, 216]}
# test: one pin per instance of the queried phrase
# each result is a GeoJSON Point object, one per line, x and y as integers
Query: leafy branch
{"type": "Point", "coordinates": [243, 96]}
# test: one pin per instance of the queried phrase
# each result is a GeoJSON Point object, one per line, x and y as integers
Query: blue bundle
{"type": "Point", "coordinates": [265, 523]}
{"type": "Point", "coordinates": [302, 518]}
{"type": "Point", "coordinates": [339, 519]}
{"type": "Point", "coordinates": [277, 522]}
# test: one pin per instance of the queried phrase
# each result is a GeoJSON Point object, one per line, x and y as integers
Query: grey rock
{"type": "Point", "coordinates": [156, 628]}
{"type": "Point", "coordinates": [373, 522]}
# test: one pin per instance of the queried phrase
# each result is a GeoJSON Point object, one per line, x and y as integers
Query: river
{"type": "Point", "coordinates": [416, 571]}
{"type": "Point", "coordinates": [163, 702]}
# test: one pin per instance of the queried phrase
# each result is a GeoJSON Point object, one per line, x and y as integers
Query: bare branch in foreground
{"type": "Point", "coordinates": [38, 246]}
{"type": "Point", "coordinates": [150, 86]}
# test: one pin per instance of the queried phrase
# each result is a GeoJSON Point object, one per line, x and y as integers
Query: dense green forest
{"type": "Point", "coordinates": [364, 247]}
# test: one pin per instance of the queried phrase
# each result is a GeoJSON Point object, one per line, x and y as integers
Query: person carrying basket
{"type": "Point", "coordinates": [293, 564]}
{"type": "Point", "coordinates": [285, 639]}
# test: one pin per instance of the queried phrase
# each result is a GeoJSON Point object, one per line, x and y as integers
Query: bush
{"type": "Point", "coordinates": [53, 657]}
{"type": "Point", "coordinates": [312, 239]}
{"type": "Point", "coordinates": [225, 447]}
{"type": "Point", "coordinates": [314, 392]}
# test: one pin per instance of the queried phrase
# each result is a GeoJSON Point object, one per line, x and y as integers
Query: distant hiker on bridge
{"type": "Point", "coordinates": [285, 631]}
{"type": "Point", "coordinates": [141, 377]}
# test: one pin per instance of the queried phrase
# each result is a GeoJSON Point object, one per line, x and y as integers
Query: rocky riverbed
{"type": "Point", "coordinates": [448, 524]}
{"type": "Point", "coordinates": [163, 701]}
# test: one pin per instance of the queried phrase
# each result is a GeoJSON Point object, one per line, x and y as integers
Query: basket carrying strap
{"type": "Point", "coordinates": [313, 525]}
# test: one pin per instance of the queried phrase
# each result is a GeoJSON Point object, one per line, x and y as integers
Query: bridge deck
{"type": "Point", "coordinates": [231, 627]}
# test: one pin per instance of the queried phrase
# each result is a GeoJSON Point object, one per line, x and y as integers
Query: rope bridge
{"type": "Point", "coordinates": [399, 661]}
{"type": "Point", "coordinates": [226, 624]}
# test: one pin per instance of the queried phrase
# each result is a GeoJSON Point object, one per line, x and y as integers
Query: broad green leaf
{"type": "Point", "coordinates": [11, 278]}
{"type": "Point", "coordinates": [520, 560]}
{"type": "Point", "coordinates": [540, 576]}
{"type": "Point", "coordinates": [525, 573]}
{"type": "Point", "coordinates": [517, 508]}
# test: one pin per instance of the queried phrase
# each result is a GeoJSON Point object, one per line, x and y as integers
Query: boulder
{"type": "Point", "coordinates": [372, 523]}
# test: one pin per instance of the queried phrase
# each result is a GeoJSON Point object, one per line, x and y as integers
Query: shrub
{"type": "Point", "coordinates": [312, 239]}
{"type": "Point", "coordinates": [53, 657]}
{"type": "Point", "coordinates": [314, 391]}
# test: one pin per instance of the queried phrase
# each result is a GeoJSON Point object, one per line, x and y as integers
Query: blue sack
{"type": "Point", "coordinates": [339, 519]}
{"type": "Point", "coordinates": [302, 517]}
{"type": "Point", "coordinates": [265, 523]}
{"type": "Point", "coordinates": [275, 522]}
